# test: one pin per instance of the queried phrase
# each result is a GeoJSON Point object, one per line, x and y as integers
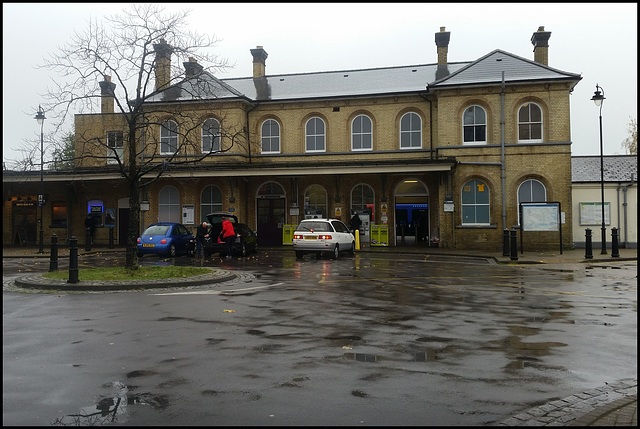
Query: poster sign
{"type": "Point", "coordinates": [188, 214]}
{"type": "Point", "coordinates": [591, 214]}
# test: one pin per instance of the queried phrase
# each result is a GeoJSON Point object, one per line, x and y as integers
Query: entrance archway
{"type": "Point", "coordinates": [411, 213]}
{"type": "Point", "coordinates": [270, 206]}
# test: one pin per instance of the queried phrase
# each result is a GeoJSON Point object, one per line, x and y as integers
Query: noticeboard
{"type": "Point", "coordinates": [540, 216]}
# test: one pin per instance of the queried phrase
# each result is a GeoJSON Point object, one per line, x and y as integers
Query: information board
{"type": "Point", "coordinates": [591, 214]}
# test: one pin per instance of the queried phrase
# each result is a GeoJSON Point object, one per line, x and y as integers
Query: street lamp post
{"type": "Point", "coordinates": [598, 98]}
{"type": "Point", "coordinates": [40, 118]}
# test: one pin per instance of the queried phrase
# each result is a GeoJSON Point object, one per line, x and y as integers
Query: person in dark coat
{"type": "Point", "coordinates": [90, 222]}
{"type": "Point", "coordinates": [201, 233]}
{"type": "Point", "coordinates": [355, 223]}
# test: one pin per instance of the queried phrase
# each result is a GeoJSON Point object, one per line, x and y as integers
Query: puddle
{"type": "Point", "coordinates": [112, 408]}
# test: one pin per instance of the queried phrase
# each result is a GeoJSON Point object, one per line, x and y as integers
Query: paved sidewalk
{"type": "Point", "coordinates": [615, 404]}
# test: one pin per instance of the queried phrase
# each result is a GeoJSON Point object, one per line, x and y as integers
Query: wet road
{"type": "Point", "coordinates": [369, 340]}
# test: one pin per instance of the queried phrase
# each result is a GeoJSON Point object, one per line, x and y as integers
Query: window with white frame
{"type": "Point", "coordinates": [210, 136]}
{"type": "Point", "coordinates": [315, 135]}
{"type": "Point", "coordinates": [168, 137]}
{"type": "Point", "coordinates": [115, 150]}
{"type": "Point", "coordinates": [270, 136]}
{"type": "Point", "coordinates": [530, 123]}
{"type": "Point", "coordinates": [475, 203]}
{"type": "Point", "coordinates": [410, 131]}
{"type": "Point", "coordinates": [474, 125]}
{"type": "Point", "coordinates": [361, 133]}
{"type": "Point", "coordinates": [210, 201]}
{"type": "Point", "coordinates": [531, 191]}
{"type": "Point", "coordinates": [169, 205]}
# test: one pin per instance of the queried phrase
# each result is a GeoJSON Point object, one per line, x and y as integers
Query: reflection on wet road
{"type": "Point", "coordinates": [363, 340]}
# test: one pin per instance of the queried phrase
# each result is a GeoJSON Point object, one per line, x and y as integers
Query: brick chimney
{"type": "Point", "coordinates": [163, 64]}
{"type": "Point", "coordinates": [442, 42]}
{"type": "Point", "coordinates": [107, 95]}
{"type": "Point", "coordinates": [259, 59]}
{"type": "Point", "coordinates": [540, 41]}
{"type": "Point", "coordinates": [192, 68]}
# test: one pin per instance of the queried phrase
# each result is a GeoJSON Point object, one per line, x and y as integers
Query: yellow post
{"type": "Point", "coordinates": [357, 234]}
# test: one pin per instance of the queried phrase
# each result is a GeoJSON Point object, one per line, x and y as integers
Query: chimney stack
{"type": "Point", "coordinates": [442, 42]}
{"type": "Point", "coordinates": [163, 64]}
{"type": "Point", "coordinates": [192, 68]}
{"type": "Point", "coordinates": [259, 59]}
{"type": "Point", "coordinates": [107, 93]}
{"type": "Point", "coordinates": [540, 41]}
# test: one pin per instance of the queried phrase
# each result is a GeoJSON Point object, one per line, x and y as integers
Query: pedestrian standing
{"type": "Point", "coordinates": [228, 235]}
{"type": "Point", "coordinates": [201, 233]}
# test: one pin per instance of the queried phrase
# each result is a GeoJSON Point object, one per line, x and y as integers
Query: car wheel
{"type": "Point", "coordinates": [336, 252]}
{"type": "Point", "coordinates": [299, 254]}
{"type": "Point", "coordinates": [353, 248]}
{"type": "Point", "coordinates": [172, 251]}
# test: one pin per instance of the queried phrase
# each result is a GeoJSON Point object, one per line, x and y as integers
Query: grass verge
{"type": "Point", "coordinates": [120, 273]}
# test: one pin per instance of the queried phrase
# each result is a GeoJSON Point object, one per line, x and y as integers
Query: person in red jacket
{"type": "Point", "coordinates": [228, 235]}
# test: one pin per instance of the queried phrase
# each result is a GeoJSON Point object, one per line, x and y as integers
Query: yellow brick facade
{"type": "Point", "coordinates": [441, 167]}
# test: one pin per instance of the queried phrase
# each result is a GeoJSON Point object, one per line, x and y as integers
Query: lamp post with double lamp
{"type": "Point", "coordinates": [598, 98]}
{"type": "Point", "coordinates": [40, 118]}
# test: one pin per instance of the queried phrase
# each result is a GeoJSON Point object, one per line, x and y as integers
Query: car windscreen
{"type": "Point", "coordinates": [314, 226]}
{"type": "Point", "coordinates": [157, 230]}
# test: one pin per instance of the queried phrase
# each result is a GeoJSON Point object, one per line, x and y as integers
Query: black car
{"type": "Point", "coordinates": [246, 239]}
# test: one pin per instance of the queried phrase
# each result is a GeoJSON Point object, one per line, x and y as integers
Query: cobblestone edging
{"type": "Point", "coordinates": [578, 409]}
{"type": "Point", "coordinates": [38, 281]}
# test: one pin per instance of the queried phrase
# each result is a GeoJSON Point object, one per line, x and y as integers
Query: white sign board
{"type": "Point", "coordinates": [540, 217]}
{"type": "Point", "coordinates": [188, 212]}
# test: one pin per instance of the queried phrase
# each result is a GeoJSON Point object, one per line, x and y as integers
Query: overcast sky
{"type": "Point", "coordinates": [596, 40]}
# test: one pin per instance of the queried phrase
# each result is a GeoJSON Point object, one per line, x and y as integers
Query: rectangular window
{"type": "Point", "coordinates": [115, 150]}
{"type": "Point", "coordinates": [59, 214]}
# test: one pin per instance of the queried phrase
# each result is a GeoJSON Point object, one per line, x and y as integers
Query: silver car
{"type": "Point", "coordinates": [323, 236]}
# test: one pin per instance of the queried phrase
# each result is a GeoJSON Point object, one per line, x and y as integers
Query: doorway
{"type": "Point", "coordinates": [412, 224]}
{"type": "Point", "coordinates": [270, 204]}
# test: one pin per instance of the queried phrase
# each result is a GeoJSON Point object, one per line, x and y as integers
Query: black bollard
{"type": "Point", "coordinates": [110, 238]}
{"type": "Point", "coordinates": [73, 260]}
{"type": "Point", "coordinates": [615, 253]}
{"type": "Point", "coordinates": [505, 242]}
{"type": "Point", "coordinates": [588, 249]}
{"type": "Point", "coordinates": [514, 245]}
{"type": "Point", "coordinates": [87, 239]}
{"type": "Point", "coordinates": [53, 257]}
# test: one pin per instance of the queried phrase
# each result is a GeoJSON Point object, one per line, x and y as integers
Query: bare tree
{"type": "Point", "coordinates": [630, 144]}
{"type": "Point", "coordinates": [120, 59]}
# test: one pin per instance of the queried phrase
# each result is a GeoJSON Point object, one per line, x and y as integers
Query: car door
{"type": "Point", "coordinates": [345, 238]}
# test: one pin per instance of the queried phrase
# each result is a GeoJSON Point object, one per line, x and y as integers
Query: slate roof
{"type": "Point", "coordinates": [365, 82]}
{"type": "Point", "coordinates": [488, 69]}
{"type": "Point", "coordinates": [617, 168]}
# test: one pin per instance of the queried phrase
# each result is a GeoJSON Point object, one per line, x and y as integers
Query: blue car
{"type": "Point", "coordinates": [166, 239]}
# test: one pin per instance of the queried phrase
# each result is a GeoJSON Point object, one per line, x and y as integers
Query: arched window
{"type": "Point", "coordinates": [168, 137]}
{"type": "Point", "coordinates": [475, 203]}
{"type": "Point", "coordinates": [530, 123]}
{"type": "Point", "coordinates": [270, 131]}
{"type": "Point", "coordinates": [210, 201]}
{"type": "Point", "coordinates": [531, 191]}
{"type": "Point", "coordinates": [361, 133]}
{"type": "Point", "coordinates": [315, 201]}
{"type": "Point", "coordinates": [169, 205]}
{"type": "Point", "coordinates": [363, 199]}
{"type": "Point", "coordinates": [410, 131]}
{"type": "Point", "coordinates": [474, 125]}
{"type": "Point", "coordinates": [210, 136]}
{"type": "Point", "coordinates": [315, 135]}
